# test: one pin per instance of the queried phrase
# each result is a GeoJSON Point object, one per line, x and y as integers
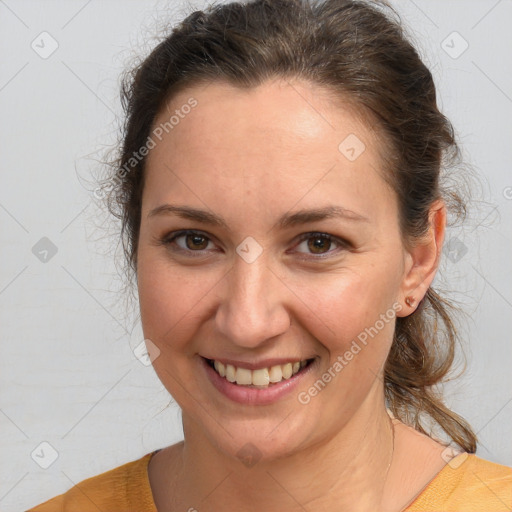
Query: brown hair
{"type": "Point", "coordinates": [357, 50]}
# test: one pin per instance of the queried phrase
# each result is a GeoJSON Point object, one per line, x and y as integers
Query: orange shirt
{"type": "Point", "coordinates": [468, 483]}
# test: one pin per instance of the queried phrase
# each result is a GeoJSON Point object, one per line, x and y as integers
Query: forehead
{"type": "Point", "coordinates": [296, 112]}
{"type": "Point", "coordinates": [282, 137]}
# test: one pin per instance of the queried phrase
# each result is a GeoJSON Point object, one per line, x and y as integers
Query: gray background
{"type": "Point", "coordinates": [68, 373]}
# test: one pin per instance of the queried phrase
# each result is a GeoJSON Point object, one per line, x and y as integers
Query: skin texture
{"type": "Point", "coordinates": [251, 156]}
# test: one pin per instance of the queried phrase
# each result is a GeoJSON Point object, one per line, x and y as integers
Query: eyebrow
{"type": "Point", "coordinates": [285, 221]}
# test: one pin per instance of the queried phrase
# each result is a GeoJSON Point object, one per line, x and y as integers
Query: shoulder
{"type": "Point", "coordinates": [123, 488]}
{"type": "Point", "coordinates": [467, 483]}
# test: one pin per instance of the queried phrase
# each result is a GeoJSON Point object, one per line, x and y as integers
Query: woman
{"type": "Point", "coordinates": [283, 216]}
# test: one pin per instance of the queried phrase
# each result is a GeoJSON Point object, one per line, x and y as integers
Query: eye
{"type": "Point", "coordinates": [188, 241]}
{"type": "Point", "coordinates": [197, 243]}
{"type": "Point", "coordinates": [320, 244]}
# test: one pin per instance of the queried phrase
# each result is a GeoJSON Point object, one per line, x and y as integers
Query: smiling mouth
{"type": "Point", "coordinates": [260, 378]}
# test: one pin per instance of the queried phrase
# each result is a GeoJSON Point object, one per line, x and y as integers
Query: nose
{"type": "Point", "coordinates": [252, 308]}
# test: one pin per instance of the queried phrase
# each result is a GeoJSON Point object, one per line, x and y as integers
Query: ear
{"type": "Point", "coordinates": [422, 260]}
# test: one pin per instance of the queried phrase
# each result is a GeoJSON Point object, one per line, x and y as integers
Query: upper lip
{"type": "Point", "coordinates": [256, 365]}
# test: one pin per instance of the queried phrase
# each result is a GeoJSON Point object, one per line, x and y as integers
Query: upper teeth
{"type": "Point", "coordinates": [259, 377]}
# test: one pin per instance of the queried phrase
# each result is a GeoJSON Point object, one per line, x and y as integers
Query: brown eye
{"type": "Point", "coordinates": [196, 241]}
{"type": "Point", "coordinates": [188, 242]}
{"type": "Point", "coordinates": [319, 244]}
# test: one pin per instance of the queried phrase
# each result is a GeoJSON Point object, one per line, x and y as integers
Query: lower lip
{"type": "Point", "coordinates": [255, 396]}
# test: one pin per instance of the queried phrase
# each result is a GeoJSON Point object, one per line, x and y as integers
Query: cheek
{"type": "Point", "coordinates": [172, 302]}
{"type": "Point", "coordinates": [353, 348]}
{"type": "Point", "coordinates": [353, 308]}
{"type": "Point", "coordinates": [173, 305]}
{"type": "Point", "coordinates": [335, 309]}
{"type": "Point", "coordinates": [361, 319]}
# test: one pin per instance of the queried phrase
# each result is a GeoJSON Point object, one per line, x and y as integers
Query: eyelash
{"type": "Point", "coordinates": [170, 238]}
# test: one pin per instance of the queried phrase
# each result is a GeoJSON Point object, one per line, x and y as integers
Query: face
{"type": "Point", "coordinates": [268, 238]}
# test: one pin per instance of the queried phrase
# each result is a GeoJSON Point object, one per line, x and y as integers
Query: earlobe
{"type": "Point", "coordinates": [424, 259]}
{"type": "Point", "coordinates": [410, 301]}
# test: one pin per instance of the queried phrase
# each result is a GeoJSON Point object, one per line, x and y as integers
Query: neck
{"type": "Point", "coordinates": [346, 472]}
